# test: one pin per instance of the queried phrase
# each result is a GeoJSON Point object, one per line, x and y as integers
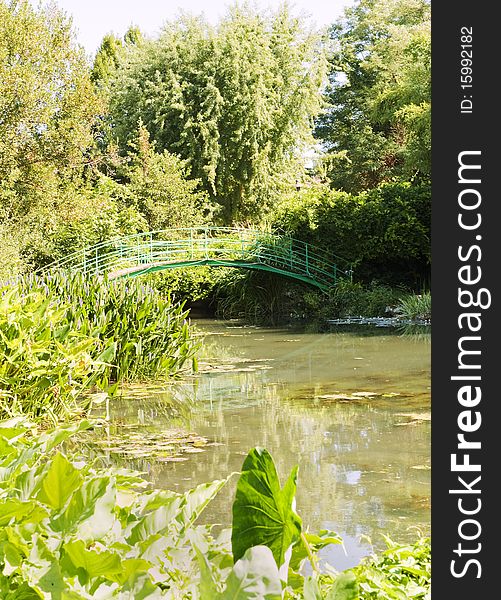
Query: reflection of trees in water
{"type": "Point", "coordinates": [356, 458]}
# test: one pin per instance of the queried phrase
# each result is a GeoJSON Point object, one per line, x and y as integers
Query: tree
{"type": "Point", "coordinates": [377, 125]}
{"type": "Point", "coordinates": [383, 232]}
{"type": "Point", "coordinates": [48, 111]}
{"type": "Point", "coordinates": [110, 52]}
{"type": "Point", "coordinates": [158, 187]}
{"type": "Point", "coordinates": [236, 102]}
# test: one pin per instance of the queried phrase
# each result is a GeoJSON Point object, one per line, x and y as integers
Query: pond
{"type": "Point", "coordinates": [351, 408]}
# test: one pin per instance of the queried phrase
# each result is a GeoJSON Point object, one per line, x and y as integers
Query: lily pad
{"type": "Point", "coordinates": [163, 446]}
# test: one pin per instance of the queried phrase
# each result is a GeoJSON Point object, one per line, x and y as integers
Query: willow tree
{"type": "Point", "coordinates": [236, 101]}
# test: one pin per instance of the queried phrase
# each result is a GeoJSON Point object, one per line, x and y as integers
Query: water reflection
{"type": "Point", "coordinates": [352, 410]}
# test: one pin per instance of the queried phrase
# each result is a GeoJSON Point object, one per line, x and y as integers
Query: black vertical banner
{"type": "Point", "coordinates": [466, 242]}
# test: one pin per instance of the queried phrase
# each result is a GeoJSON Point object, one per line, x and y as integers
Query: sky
{"type": "Point", "coordinates": [92, 19]}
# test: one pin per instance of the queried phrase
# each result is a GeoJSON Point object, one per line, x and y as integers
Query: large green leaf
{"type": "Point", "coordinates": [13, 509]}
{"type": "Point", "coordinates": [253, 577]}
{"type": "Point", "coordinates": [263, 513]}
{"type": "Point", "coordinates": [89, 513]}
{"type": "Point", "coordinates": [96, 563]}
{"type": "Point", "coordinates": [155, 522]}
{"type": "Point", "coordinates": [345, 587]}
{"type": "Point", "coordinates": [41, 570]}
{"type": "Point", "coordinates": [60, 481]}
{"type": "Point", "coordinates": [195, 501]}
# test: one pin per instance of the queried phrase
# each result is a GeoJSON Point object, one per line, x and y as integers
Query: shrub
{"type": "Point", "coordinates": [415, 306]}
{"type": "Point", "coordinates": [150, 333]}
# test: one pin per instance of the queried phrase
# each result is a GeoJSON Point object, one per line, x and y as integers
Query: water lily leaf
{"type": "Point", "coordinates": [263, 513]}
{"type": "Point", "coordinates": [345, 587]}
{"type": "Point", "coordinates": [254, 577]}
{"type": "Point", "coordinates": [60, 481]}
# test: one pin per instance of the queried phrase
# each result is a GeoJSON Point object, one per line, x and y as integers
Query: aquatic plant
{"type": "Point", "coordinates": [150, 332]}
{"type": "Point", "coordinates": [46, 364]}
{"type": "Point", "coordinates": [61, 334]}
{"type": "Point", "coordinates": [415, 306]}
{"type": "Point", "coordinates": [70, 529]}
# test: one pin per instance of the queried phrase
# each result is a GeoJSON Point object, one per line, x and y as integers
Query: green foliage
{"type": "Point", "coordinates": [91, 215]}
{"type": "Point", "coordinates": [48, 109]}
{"type": "Point", "coordinates": [60, 336]}
{"type": "Point", "coordinates": [354, 299]}
{"type": "Point", "coordinates": [377, 125]}
{"type": "Point", "coordinates": [384, 232]}
{"type": "Point", "coordinates": [71, 529]}
{"type": "Point", "coordinates": [263, 513]}
{"type": "Point", "coordinates": [74, 530]}
{"type": "Point", "coordinates": [255, 296]}
{"type": "Point", "coordinates": [401, 571]}
{"type": "Point", "coordinates": [236, 101]}
{"type": "Point", "coordinates": [46, 364]}
{"type": "Point", "coordinates": [187, 283]}
{"type": "Point", "coordinates": [150, 334]}
{"type": "Point", "coordinates": [157, 186]}
{"type": "Point", "coordinates": [415, 306]}
{"type": "Point", "coordinates": [144, 191]}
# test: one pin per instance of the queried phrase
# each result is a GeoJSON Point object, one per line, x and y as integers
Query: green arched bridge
{"type": "Point", "coordinates": [141, 253]}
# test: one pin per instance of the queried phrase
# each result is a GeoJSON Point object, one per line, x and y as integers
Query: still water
{"type": "Point", "coordinates": [352, 409]}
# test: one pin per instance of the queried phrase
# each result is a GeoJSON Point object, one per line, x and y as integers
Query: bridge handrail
{"type": "Point", "coordinates": [239, 245]}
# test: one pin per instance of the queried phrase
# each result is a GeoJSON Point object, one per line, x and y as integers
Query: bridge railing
{"type": "Point", "coordinates": [183, 246]}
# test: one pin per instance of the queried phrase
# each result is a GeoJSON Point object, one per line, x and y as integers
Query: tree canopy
{"type": "Point", "coordinates": [212, 124]}
{"type": "Point", "coordinates": [236, 101]}
{"type": "Point", "coordinates": [48, 111]}
{"type": "Point", "coordinates": [377, 125]}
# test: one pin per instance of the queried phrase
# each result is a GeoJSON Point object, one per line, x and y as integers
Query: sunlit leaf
{"type": "Point", "coordinates": [263, 513]}
{"type": "Point", "coordinates": [254, 577]}
{"type": "Point", "coordinates": [94, 562]}
{"type": "Point", "coordinates": [345, 587]}
{"type": "Point", "coordinates": [59, 483]}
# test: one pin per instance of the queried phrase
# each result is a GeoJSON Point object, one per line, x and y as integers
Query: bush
{"type": "Point", "coordinates": [384, 233]}
{"type": "Point", "coordinates": [415, 306]}
{"type": "Point", "coordinates": [150, 333]}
